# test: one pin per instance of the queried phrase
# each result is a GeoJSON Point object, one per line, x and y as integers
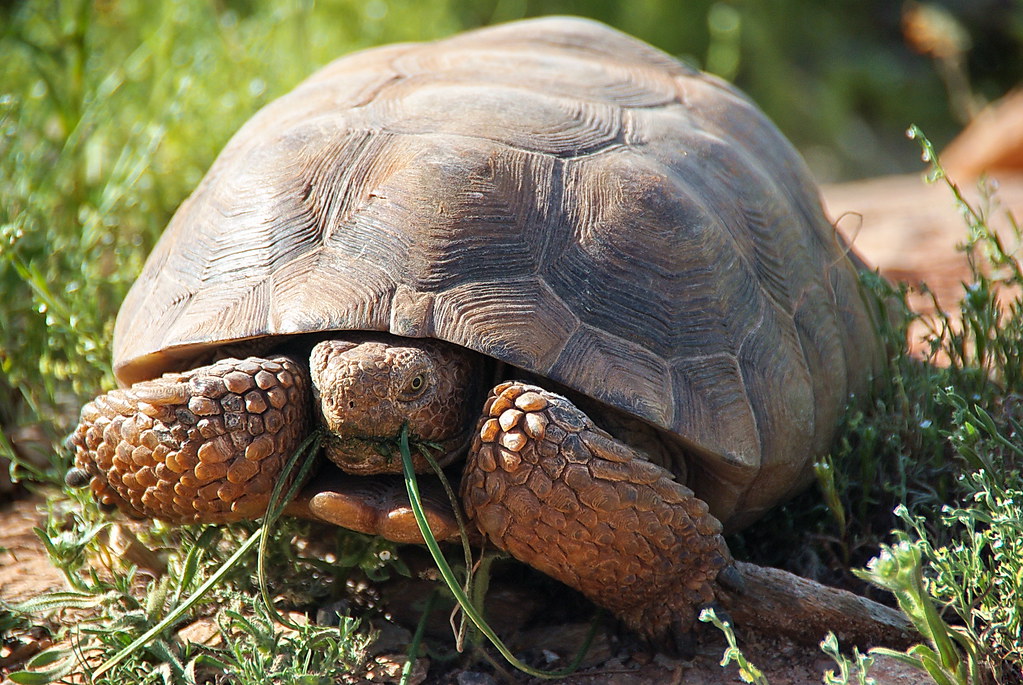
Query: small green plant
{"type": "Point", "coordinates": [977, 574]}
{"type": "Point", "coordinates": [261, 650]}
{"type": "Point", "coordinates": [857, 668]}
{"type": "Point", "coordinates": [957, 571]}
{"type": "Point", "coordinates": [949, 656]}
{"type": "Point", "coordinates": [747, 671]}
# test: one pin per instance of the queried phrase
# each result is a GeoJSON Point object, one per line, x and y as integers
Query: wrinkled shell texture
{"type": "Point", "coordinates": [551, 193]}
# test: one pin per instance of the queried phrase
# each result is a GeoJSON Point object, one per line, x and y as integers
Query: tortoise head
{"type": "Point", "coordinates": [366, 388]}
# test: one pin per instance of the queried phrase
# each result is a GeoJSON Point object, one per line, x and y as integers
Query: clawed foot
{"type": "Point", "coordinates": [207, 445]}
{"type": "Point", "coordinates": [545, 484]}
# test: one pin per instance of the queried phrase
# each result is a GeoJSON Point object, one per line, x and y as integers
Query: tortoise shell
{"type": "Point", "coordinates": [551, 193]}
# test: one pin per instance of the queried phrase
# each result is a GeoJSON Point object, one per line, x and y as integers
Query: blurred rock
{"type": "Point", "coordinates": [910, 230]}
{"type": "Point", "coordinates": [992, 143]}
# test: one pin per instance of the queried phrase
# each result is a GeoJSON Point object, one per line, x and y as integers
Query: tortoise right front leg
{"type": "Point", "coordinates": [207, 445]}
{"type": "Point", "coordinates": [558, 493]}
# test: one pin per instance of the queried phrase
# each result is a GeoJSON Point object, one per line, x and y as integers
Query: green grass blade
{"type": "Point", "coordinates": [178, 612]}
{"type": "Point", "coordinates": [309, 448]}
{"type": "Point", "coordinates": [453, 585]}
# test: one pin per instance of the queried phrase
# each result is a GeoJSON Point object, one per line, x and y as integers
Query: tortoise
{"type": "Point", "coordinates": [596, 276]}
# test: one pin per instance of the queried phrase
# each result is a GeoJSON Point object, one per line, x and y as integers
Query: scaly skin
{"type": "Point", "coordinates": [541, 480]}
{"type": "Point", "coordinates": [206, 445]}
{"type": "Point", "coordinates": [558, 493]}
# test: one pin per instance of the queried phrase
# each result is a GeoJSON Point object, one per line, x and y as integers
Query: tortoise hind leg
{"type": "Point", "coordinates": [558, 493]}
{"type": "Point", "coordinates": [206, 445]}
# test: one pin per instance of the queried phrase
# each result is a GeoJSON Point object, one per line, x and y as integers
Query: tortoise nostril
{"type": "Point", "coordinates": [351, 404]}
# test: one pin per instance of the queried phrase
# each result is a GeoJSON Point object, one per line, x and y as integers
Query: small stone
{"type": "Point", "coordinates": [205, 631]}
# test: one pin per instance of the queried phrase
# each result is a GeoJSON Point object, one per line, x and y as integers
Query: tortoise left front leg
{"type": "Point", "coordinates": [558, 493]}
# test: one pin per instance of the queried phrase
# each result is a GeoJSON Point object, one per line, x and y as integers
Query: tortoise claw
{"type": "Point", "coordinates": [77, 478]}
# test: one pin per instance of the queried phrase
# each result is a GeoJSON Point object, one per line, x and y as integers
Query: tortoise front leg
{"type": "Point", "coordinates": [558, 493]}
{"type": "Point", "coordinates": [207, 445]}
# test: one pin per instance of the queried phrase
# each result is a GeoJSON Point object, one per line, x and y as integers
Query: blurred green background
{"type": "Point", "coordinates": [111, 111]}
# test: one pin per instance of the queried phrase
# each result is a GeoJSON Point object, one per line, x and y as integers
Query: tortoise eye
{"type": "Point", "coordinates": [415, 386]}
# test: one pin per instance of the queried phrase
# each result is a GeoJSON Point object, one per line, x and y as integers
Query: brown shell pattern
{"type": "Point", "coordinates": [554, 194]}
